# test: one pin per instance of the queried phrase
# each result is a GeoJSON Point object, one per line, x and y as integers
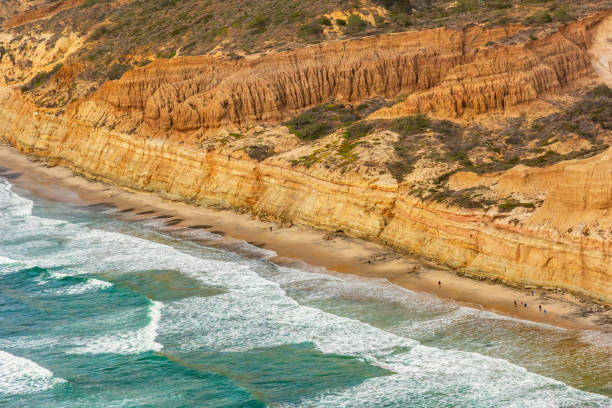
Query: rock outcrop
{"type": "Point", "coordinates": [449, 72]}
{"type": "Point", "coordinates": [42, 11]}
{"type": "Point", "coordinates": [139, 132]}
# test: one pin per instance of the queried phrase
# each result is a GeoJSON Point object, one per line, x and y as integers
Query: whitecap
{"type": "Point", "coordinates": [129, 342]}
{"type": "Point", "coordinates": [431, 377]}
{"type": "Point", "coordinates": [598, 340]}
{"type": "Point", "coordinates": [13, 204]}
{"type": "Point", "coordinates": [256, 312]}
{"type": "Point", "coordinates": [22, 376]}
{"type": "Point", "coordinates": [91, 285]}
{"type": "Point", "coordinates": [7, 261]}
{"type": "Point", "coordinates": [8, 265]}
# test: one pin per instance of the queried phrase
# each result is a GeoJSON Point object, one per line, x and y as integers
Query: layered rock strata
{"type": "Point", "coordinates": [138, 132]}
{"type": "Point", "coordinates": [450, 73]}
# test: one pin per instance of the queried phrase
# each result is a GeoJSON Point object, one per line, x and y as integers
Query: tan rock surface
{"type": "Point", "coordinates": [140, 132]}
{"type": "Point", "coordinates": [42, 12]}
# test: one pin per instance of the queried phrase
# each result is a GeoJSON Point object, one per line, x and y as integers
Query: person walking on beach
{"type": "Point", "coordinates": [439, 284]}
{"type": "Point", "coordinates": [515, 305]}
{"type": "Point", "coordinates": [540, 307]}
{"type": "Point", "coordinates": [525, 305]}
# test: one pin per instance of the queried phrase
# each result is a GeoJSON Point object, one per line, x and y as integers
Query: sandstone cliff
{"type": "Point", "coordinates": [145, 131]}
{"type": "Point", "coordinates": [451, 73]}
{"type": "Point", "coordinates": [42, 12]}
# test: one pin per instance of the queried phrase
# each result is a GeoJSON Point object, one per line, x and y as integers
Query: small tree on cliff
{"type": "Point", "coordinates": [403, 6]}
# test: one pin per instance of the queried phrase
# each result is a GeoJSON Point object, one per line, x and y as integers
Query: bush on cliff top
{"type": "Point", "coordinates": [355, 24]}
{"type": "Point", "coordinates": [326, 118]}
{"type": "Point", "coordinates": [259, 152]}
{"type": "Point", "coordinates": [321, 120]}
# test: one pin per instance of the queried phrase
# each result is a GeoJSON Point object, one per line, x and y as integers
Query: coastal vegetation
{"type": "Point", "coordinates": [326, 118]}
{"type": "Point", "coordinates": [117, 34]}
{"type": "Point", "coordinates": [578, 131]}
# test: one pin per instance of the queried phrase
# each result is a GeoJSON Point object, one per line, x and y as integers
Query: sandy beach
{"type": "Point", "coordinates": [304, 247]}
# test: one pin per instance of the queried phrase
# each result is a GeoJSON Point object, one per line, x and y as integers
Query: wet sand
{"type": "Point", "coordinates": [301, 247]}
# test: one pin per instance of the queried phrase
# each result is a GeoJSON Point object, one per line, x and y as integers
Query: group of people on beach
{"type": "Point", "coordinates": [524, 304]}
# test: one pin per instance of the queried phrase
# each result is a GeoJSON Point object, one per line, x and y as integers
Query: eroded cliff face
{"type": "Point", "coordinates": [145, 132]}
{"type": "Point", "coordinates": [452, 73]}
{"type": "Point", "coordinates": [40, 12]}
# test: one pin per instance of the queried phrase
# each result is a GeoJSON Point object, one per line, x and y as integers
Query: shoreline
{"type": "Point", "coordinates": [294, 245]}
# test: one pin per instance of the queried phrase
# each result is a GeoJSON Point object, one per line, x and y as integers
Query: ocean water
{"type": "Point", "coordinates": [96, 312]}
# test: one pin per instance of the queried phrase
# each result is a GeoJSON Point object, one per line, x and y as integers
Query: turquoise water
{"type": "Point", "coordinates": [95, 312]}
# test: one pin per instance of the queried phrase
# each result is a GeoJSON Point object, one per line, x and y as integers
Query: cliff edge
{"type": "Point", "coordinates": [486, 155]}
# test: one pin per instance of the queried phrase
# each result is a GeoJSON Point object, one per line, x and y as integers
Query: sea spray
{"type": "Point", "coordinates": [22, 376]}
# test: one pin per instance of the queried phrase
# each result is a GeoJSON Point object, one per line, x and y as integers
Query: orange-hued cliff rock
{"type": "Point", "coordinates": [452, 73]}
{"type": "Point", "coordinates": [150, 130]}
{"type": "Point", "coordinates": [42, 12]}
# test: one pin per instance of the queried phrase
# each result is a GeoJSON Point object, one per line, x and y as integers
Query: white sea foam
{"type": "Point", "coordinates": [27, 342]}
{"type": "Point", "coordinates": [256, 312]}
{"type": "Point", "coordinates": [91, 285]}
{"type": "Point", "coordinates": [7, 261]}
{"type": "Point", "coordinates": [8, 265]}
{"type": "Point", "coordinates": [129, 342]}
{"type": "Point", "coordinates": [445, 313]}
{"type": "Point", "coordinates": [597, 338]}
{"type": "Point", "coordinates": [329, 283]}
{"type": "Point", "coordinates": [432, 377]}
{"type": "Point", "coordinates": [22, 376]}
{"type": "Point", "coordinates": [248, 250]}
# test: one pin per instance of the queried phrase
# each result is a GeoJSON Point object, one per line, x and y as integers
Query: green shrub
{"type": "Point", "coordinates": [468, 198]}
{"type": "Point", "coordinates": [341, 22]}
{"type": "Point", "coordinates": [512, 204]}
{"type": "Point", "coordinates": [400, 5]}
{"type": "Point", "coordinates": [179, 30]}
{"type": "Point", "coordinates": [355, 24]}
{"type": "Point", "coordinates": [89, 3]}
{"type": "Point", "coordinates": [541, 17]}
{"type": "Point", "coordinates": [447, 128]}
{"type": "Point", "coordinates": [346, 151]}
{"type": "Point", "coordinates": [561, 12]}
{"type": "Point", "coordinates": [399, 169]}
{"type": "Point", "coordinates": [466, 5]}
{"type": "Point", "coordinates": [163, 55]}
{"type": "Point", "coordinates": [499, 4]}
{"type": "Point", "coordinates": [380, 21]}
{"type": "Point", "coordinates": [310, 131]}
{"type": "Point", "coordinates": [321, 121]}
{"type": "Point", "coordinates": [325, 21]}
{"type": "Point", "coordinates": [310, 32]}
{"type": "Point", "coordinates": [259, 153]}
{"type": "Point", "coordinates": [412, 124]}
{"type": "Point", "coordinates": [357, 131]}
{"type": "Point", "coordinates": [258, 24]}
{"type": "Point", "coordinates": [500, 20]}
{"type": "Point", "coordinates": [547, 159]}
{"type": "Point", "coordinates": [116, 70]}
{"type": "Point", "coordinates": [401, 19]}
{"type": "Point", "coordinates": [98, 33]}
{"type": "Point", "coordinates": [41, 78]}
